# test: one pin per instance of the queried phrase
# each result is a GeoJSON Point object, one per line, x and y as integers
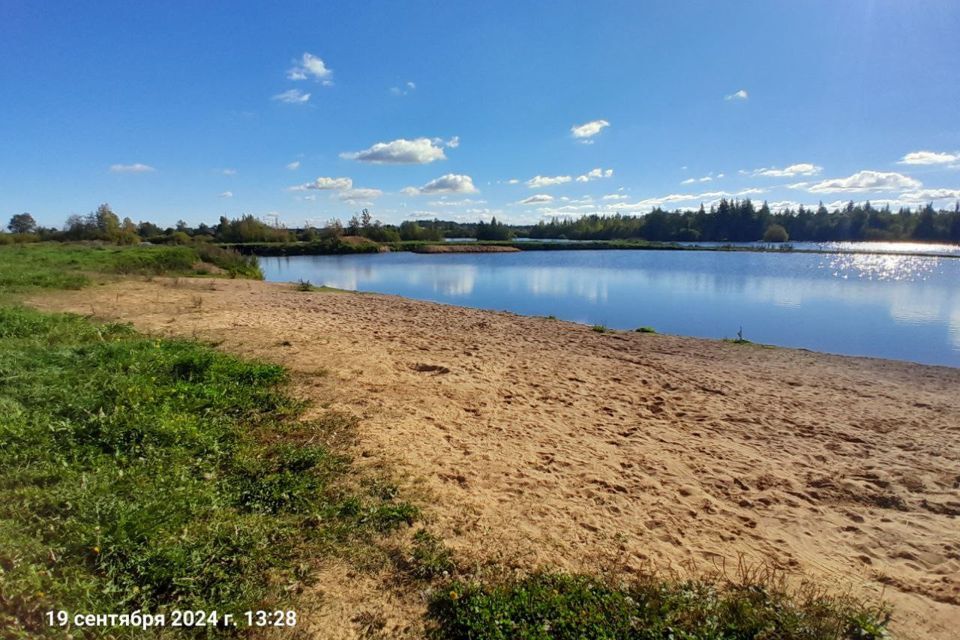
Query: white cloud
{"type": "Point", "coordinates": [449, 183]}
{"type": "Point", "coordinates": [929, 157]}
{"type": "Point", "coordinates": [407, 88]}
{"type": "Point", "coordinates": [463, 202]}
{"type": "Point", "coordinates": [707, 178]}
{"type": "Point", "coordinates": [862, 181]}
{"type": "Point", "coordinates": [584, 132]}
{"type": "Point", "coordinates": [539, 182]}
{"type": "Point", "coordinates": [402, 151]}
{"type": "Point", "coordinates": [739, 95]}
{"type": "Point", "coordinates": [328, 184]}
{"type": "Point", "coordinates": [226, 194]}
{"type": "Point", "coordinates": [927, 195]}
{"type": "Point", "coordinates": [513, 181]}
{"type": "Point", "coordinates": [539, 198]}
{"type": "Point", "coordinates": [595, 174]}
{"type": "Point", "coordinates": [616, 196]}
{"type": "Point", "coordinates": [131, 168]}
{"type": "Point", "coordinates": [800, 169]}
{"type": "Point", "coordinates": [359, 194]}
{"type": "Point", "coordinates": [292, 96]}
{"type": "Point", "coordinates": [293, 166]}
{"type": "Point", "coordinates": [310, 66]}
{"type": "Point", "coordinates": [453, 142]}
{"type": "Point", "coordinates": [228, 172]}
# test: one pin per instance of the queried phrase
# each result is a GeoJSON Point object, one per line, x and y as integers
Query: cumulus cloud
{"type": "Point", "coordinates": [929, 157]}
{"type": "Point", "coordinates": [616, 196]}
{"type": "Point", "coordinates": [928, 195]}
{"type": "Point", "coordinates": [449, 183]}
{"type": "Point", "coordinates": [136, 167]}
{"type": "Point", "coordinates": [739, 95]}
{"type": "Point", "coordinates": [403, 151]}
{"type": "Point", "coordinates": [794, 170]}
{"type": "Point", "coordinates": [539, 182]}
{"type": "Point", "coordinates": [359, 194]}
{"type": "Point", "coordinates": [293, 166]}
{"type": "Point", "coordinates": [595, 174]}
{"type": "Point", "coordinates": [539, 198]}
{"type": "Point", "coordinates": [226, 194]}
{"type": "Point", "coordinates": [311, 67]}
{"type": "Point", "coordinates": [292, 96]}
{"type": "Point", "coordinates": [325, 184]}
{"type": "Point", "coordinates": [584, 132]}
{"type": "Point", "coordinates": [862, 181]}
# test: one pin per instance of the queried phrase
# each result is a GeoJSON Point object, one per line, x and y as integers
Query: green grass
{"type": "Point", "coordinates": [146, 473]}
{"type": "Point", "coordinates": [552, 606]}
{"type": "Point", "coordinates": [645, 330]}
{"type": "Point", "coordinates": [72, 266]}
{"type": "Point", "coordinates": [599, 328]}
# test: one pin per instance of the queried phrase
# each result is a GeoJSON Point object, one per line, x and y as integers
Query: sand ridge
{"type": "Point", "coordinates": [546, 443]}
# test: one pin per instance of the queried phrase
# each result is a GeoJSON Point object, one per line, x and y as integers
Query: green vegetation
{"type": "Point", "coordinates": [741, 221]}
{"type": "Point", "coordinates": [493, 231]}
{"type": "Point", "coordinates": [599, 328]}
{"type": "Point", "coordinates": [156, 474]}
{"type": "Point", "coordinates": [70, 266]}
{"type": "Point", "coordinates": [645, 330]}
{"type": "Point", "coordinates": [553, 606]}
{"type": "Point", "coordinates": [775, 233]}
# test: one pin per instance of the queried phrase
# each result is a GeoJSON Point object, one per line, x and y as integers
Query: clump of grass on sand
{"type": "Point", "coordinates": [143, 473]}
{"type": "Point", "coordinates": [552, 606]}
{"type": "Point", "coordinates": [645, 330]}
{"type": "Point", "coordinates": [599, 328]}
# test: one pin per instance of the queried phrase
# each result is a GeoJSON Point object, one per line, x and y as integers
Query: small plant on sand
{"type": "Point", "coordinates": [645, 330]}
{"type": "Point", "coordinates": [739, 339]}
{"type": "Point", "coordinates": [429, 558]}
{"type": "Point", "coordinates": [305, 285]}
{"type": "Point", "coordinates": [599, 328]}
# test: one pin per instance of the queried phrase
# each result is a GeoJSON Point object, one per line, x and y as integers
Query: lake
{"type": "Point", "coordinates": [889, 306]}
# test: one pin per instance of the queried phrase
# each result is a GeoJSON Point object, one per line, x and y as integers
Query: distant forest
{"type": "Point", "coordinates": [741, 221]}
{"type": "Point", "coordinates": [727, 221]}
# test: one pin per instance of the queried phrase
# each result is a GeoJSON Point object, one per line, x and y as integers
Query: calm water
{"type": "Point", "coordinates": [902, 307]}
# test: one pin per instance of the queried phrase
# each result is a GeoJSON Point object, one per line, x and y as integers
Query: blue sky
{"type": "Point", "coordinates": [465, 110]}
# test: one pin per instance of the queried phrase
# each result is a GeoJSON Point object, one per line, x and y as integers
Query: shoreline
{"type": "Point", "coordinates": [546, 443]}
{"type": "Point", "coordinates": [278, 249]}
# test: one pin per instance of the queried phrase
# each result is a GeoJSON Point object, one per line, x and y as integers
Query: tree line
{"type": "Point", "coordinates": [742, 221]}
{"type": "Point", "coordinates": [727, 221]}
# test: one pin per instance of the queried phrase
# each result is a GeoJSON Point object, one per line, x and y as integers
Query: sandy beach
{"type": "Point", "coordinates": [536, 442]}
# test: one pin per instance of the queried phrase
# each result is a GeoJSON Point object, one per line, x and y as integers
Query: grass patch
{"type": "Point", "coordinates": [559, 606]}
{"type": "Point", "coordinates": [72, 266]}
{"type": "Point", "coordinates": [645, 330]}
{"type": "Point", "coordinates": [599, 328]}
{"type": "Point", "coordinates": [142, 473]}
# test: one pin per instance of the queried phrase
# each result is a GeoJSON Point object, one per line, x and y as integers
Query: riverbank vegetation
{"type": "Point", "coordinates": [726, 221]}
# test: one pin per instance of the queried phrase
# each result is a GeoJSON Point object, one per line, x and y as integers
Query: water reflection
{"type": "Point", "coordinates": [905, 307]}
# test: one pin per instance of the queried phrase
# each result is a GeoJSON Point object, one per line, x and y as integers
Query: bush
{"type": "Point", "coordinates": [775, 233]}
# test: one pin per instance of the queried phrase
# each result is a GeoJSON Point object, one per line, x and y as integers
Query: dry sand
{"type": "Point", "coordinates": [540, 442]}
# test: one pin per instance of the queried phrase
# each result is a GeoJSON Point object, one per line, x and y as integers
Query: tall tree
{"type": "Point", "coordinates": [22, 223]}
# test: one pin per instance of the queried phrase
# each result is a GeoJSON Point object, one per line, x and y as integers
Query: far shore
{"type": "Point", "coordinates": [358, 245]}
{"type": "Point", "coordinates": [545, 443]}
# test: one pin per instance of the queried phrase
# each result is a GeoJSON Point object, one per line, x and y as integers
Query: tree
{"type": "Point", "coordinates": [365, 219]}
{"type": "Point", "coordinates": [775, 233]}
{"type": "Point", "coordinates": [22, 223]}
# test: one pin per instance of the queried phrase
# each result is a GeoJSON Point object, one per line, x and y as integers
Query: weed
{"type": "Point", "coordinates": [599, 328]}
{"type": "Point", "coordinates": [645, 330]}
